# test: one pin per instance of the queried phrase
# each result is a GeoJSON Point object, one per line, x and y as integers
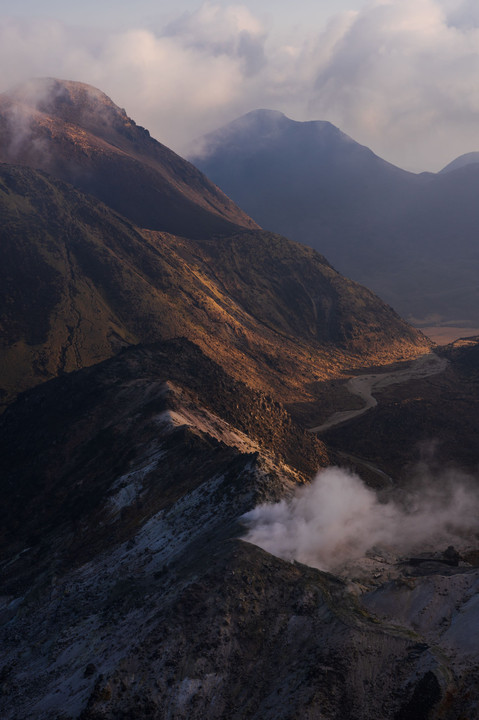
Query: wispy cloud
{"type": "Point", "coordinates": [403, 79]}
{"type": "Point", "coordinates": [399, 75]}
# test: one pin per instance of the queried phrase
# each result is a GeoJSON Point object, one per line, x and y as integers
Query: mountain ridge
{"type": "Point", "coordinates": [461, 161]}
{"type": "Point", "coordinates": [76, 133]}
{"type": "Point", "coordinates": [128, 590]}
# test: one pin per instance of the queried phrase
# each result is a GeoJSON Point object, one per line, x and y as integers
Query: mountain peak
{"type": "Point", "coordinates": [461, 161]}
{"type": "Point", "coordinates": [269, 131]}
{"type": "Point", "coordinates": [76, 133]}
{"type": "Point", "coordinates": [263, 115]}
{"type": "Point", "coordinates": [58, 91]}
{"type": "Point", "coordinates": [69, 101]}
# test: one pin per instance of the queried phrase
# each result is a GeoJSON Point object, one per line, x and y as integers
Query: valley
{"type": "Point", "coordinates": [235, 483]}
{"type": "Point", "coordinates": [365, 385]}
{"type": "Point", "coordinates": [444, 335]}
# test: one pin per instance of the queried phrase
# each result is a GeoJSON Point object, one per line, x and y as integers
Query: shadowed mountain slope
{"type": "Point", "coordinates": [124, 589]}
{"type": "Point", "coordinates": [76, 133]}
{"type": "Point", "coordinates": [410, 238]}
{"type": "Point", "coordinates": [78, 282]}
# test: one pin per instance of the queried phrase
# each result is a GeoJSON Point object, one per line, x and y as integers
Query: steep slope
{"type": "Point", "coordinates": [76, 133]}
{"type": "Point", "coordinates": [126, 591]}
{"type": "Point", "coordinates": [110, 423]}
{"type": "Point", "coordinates": [410, 238]}
{"type": "Point", "coordinates": [78, 282]}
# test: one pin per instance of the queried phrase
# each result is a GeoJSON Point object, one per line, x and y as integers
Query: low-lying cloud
{"type": "Point", "coordinates": [337, 518]}
{"type": "Point", "coordinates": [398, 75]}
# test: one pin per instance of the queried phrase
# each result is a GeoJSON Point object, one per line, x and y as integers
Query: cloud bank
{"type": "Point", "coordinates": [337, 519]}
{"type": "Point", "coordinates": [399, 76]}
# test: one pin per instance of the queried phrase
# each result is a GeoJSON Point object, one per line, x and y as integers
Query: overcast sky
{"type": "Point", "coordinates": [401, 76]}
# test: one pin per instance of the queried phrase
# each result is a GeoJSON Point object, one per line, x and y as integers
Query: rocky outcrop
{"type": "Point", "coordinates": [126, 591]}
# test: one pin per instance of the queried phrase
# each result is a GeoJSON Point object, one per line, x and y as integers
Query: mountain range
{"type": "Point", "coordinates": [162, 358]}
{"type": "Point", "coordinates": [410, 238]}
{"type": "Point", "coordinates": [79, 280]}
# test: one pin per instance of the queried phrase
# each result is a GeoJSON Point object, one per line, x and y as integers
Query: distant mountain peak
{"type": "Point", "coordinates": [261, 119]}
{"type": "Point", "coordinates": [263, 129]}
{"type": "Point", "coordinates": [394, 231]}
{"type": "Point", "coordinates": [265, 114]}
{"type": "Point", "coordinates": [461, 161]}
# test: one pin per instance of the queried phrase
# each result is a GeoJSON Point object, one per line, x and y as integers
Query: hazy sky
{"type": "Point", "coordinates": [401, 76]}
{"type": "Point", "coordinates": [144, 13]}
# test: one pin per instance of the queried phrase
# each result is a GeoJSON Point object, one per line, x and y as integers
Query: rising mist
{"type": "Point", "coordinates": [337, 518]}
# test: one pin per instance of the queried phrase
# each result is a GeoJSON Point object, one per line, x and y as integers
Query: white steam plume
{"type": "Point", "coordinates": [337, 518]}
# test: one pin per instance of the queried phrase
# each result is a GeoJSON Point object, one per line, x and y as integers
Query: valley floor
{"type": "Point", "coordinates": [364, 385]}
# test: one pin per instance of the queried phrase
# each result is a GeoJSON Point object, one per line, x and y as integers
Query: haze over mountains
{"type": "Point", "coordinates": [169, 356]}
{"type": "Point", "coordinates": [411, 238]}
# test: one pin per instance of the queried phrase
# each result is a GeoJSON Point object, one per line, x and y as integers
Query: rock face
{"type": "Point", "coordinates": [410, 238]}
{"type": "Point", "coordinates": [127, 592]}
